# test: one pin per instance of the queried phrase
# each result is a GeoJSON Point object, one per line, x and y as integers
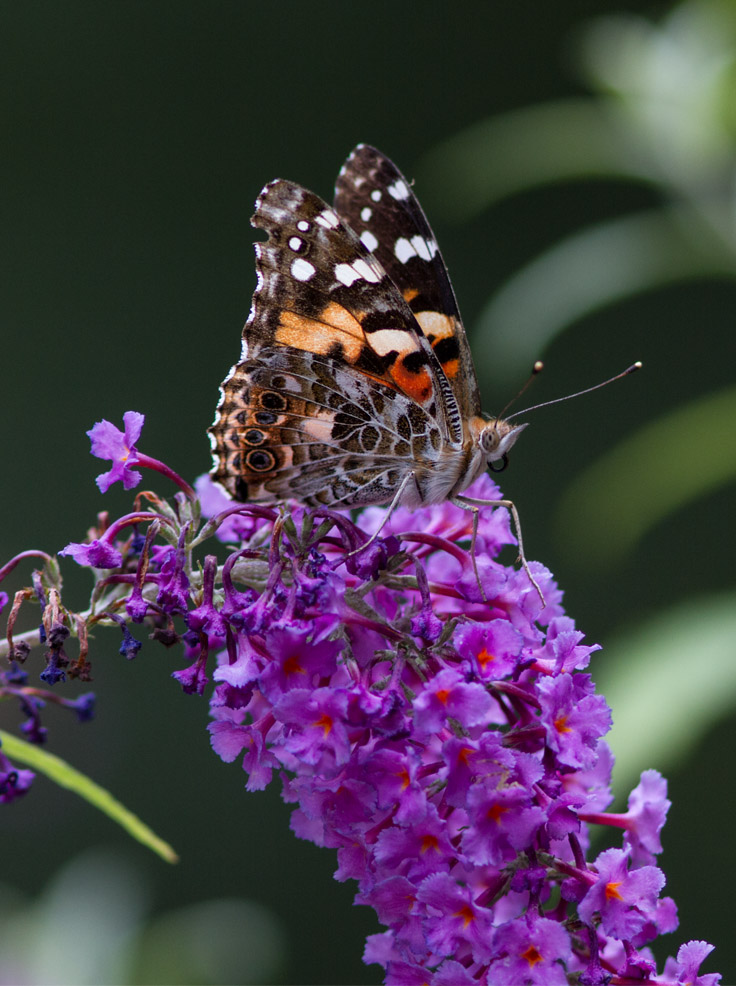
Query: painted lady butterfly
{"type": "Point", "coordinates": [356, 383]}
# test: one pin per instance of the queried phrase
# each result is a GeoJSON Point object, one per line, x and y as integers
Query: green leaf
{"type": "Point", "coordinates": [668, 683]}
{"type": "Point", "coordinates": [65, 775]}
{"type": "Point", "coordinates": [591, 269]}
{"type": "Point", "coordinates": [538, 145]}
{"type": "Point", "coordinates": [603, 514]}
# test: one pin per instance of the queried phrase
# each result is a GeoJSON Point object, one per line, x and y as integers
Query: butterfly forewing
{"type": "Point", "coordinates": [323, 292]}
{"type": "Point", "coordinates": [377, 202]}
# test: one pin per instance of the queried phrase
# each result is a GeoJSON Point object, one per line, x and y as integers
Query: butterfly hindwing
{"type": "Point", "coordinates": [292, 421]}
{"type": "Point", "coordinates": [377, 202]}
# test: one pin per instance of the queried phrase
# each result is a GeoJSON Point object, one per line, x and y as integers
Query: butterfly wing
{"type": "Point", "coordinates": [336, 378]}
{"type": "Point", "coordinates": [376, 201]}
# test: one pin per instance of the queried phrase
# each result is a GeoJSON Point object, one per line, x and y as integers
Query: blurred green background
{"type": "Point", "coordinates": [579, 174]}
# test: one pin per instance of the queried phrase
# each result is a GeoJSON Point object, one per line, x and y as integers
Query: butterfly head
{"type": "Point", "coordinates": [496, 438]}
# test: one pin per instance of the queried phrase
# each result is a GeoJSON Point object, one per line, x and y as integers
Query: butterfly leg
{"type": "Point", "coordinates": [391, 507]}
{"type": "Point", "coordinates": [473, 505]}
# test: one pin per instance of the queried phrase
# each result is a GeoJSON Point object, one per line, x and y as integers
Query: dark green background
{"type": "Point", "coordinates": [136, 137]}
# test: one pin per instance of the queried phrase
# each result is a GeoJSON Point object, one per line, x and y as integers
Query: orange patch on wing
{"type": "Point", "coordinates": [417, 385]}
{"type": "Point", "coordinates": [341, 319]}
{"type": "Point", "coordinates": [437, 327]}
{"type": "Point", "coordinates": [410, 294]}
{"type": "Point", "coordinates": [451, 367]}
{"type": "Point", "coordinates": [335, 325]}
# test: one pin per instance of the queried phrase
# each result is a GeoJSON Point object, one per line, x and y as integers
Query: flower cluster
{"type": "Point", "coordinates": [430, 717]}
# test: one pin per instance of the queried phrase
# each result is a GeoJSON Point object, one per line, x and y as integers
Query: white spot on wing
{"type": "Point", "coordinates": [359, 270]}
{"type": "Point", "coordinates": [328, 219]}
{"type": "Point", "coordinates": [399, 190]}
{"type": "Point", "coordinates": [365, 214]}
{"type": "Point", "coordinates": [302, 270]}
{"type": "Point", "coordinates": [296, 243]}
{"type": "Point", "coordinates": [368, 271]}
{"type": "Point", "coordinates": [303, 226]}
{"type": "Point", "coordinates": [368, 240]}
{"type": "Point", "coordinates": [388, 341]}
{"type": "Point", "coordinates": [404, 250]}
{"type": "Point", "coordinates": [376, 195]}
{"type": "Point", "coordinates": [426, 249]}
{"type": "Point", "coordinates": [346, 275]}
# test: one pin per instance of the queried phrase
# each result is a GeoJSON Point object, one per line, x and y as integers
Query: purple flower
{"type": "Point", "coordinates": [453, 922]}
{"type": "Point", "coordinates": [108, 442]}
{"type": "Point", "coordinates": [685, 970]}
{"type": "Point", "coordinates": [621, 898]}
{"type": "Point", "coordinates": [14, 783]}
{"type": "Point", "coordinates": [448, 746]}
{"type": "Point", "coordinates": [533, 950]}
{"type": "Point", "coordinates": [193, 679]}
{"type": "Point", "coordinates": [96, 554]}
{"type": "Point", "coordinates": [173, 591]}
{"type": "Point", "coordinates": [574, 717]}
{"type": "Point", "coordinates": [298, 655]}
{"type": "Point", "coordinates": [206, 616]}
{"type": "Point", "coordinates": [493, 648]}
{"type": "Point", "coordinates": [317, 729]}
{"type": "Point", "coordinates": [84, 706]}
{"type": "Point", "coordinates": [446, 696]}
{"type": "Point", "coordinates": [428, 717]}
{"type": "Point", "coordinates": [648, 807]}
{"type": "Point", "coordinates": [130, 646]}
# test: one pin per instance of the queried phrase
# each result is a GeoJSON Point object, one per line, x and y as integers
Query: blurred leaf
{"type": "Point", "coordinates": [214, 941]}
{"type": "Point", "coordinates": [65, 775]}
{"type": "Point", "coordinates": [560, 141]}
{"type": "Point", "coordinates": [82, 927]}
{"type": "Point", "coordinates": [668, 682]}
{"type": "Point", "coordinates": [603, 514]}
{"type": "Point", "coordinates": [589, 270]}
{"type": "Point", "coordinates": [674, 82]}
{"type": "Point", "coordinates": [662, 112]}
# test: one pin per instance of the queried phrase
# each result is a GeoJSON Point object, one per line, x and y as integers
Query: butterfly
{"type": "Point", "coordinates": [356, 383]}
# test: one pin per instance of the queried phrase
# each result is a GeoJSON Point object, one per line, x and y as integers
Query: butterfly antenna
{"type": "Point", "coordinates": [629, 369]}
{"type": "Point", "coordinates": [536, 369]}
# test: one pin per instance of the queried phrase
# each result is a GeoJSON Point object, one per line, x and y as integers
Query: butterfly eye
{"type": "Point", "coordinates": [499, 465]}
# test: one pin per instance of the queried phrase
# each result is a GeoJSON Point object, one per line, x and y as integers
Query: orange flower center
{"type": "Point", "coordinates": [532, 955]}
{"type": "Point", "coordinates": [612, 890]}
{"type": "Point", "coordinates": [466, 913]}
{"type": "Point", "coordinates": [325, 722]}
{"type": "Point", "coordinates": [495, 812]}
{"type": "Point", "coordinates": [485, 658]}
{"type": "Point", "coordinates": [292, 666]}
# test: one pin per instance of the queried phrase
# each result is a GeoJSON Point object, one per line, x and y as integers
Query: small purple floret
{"type": "Point", "coordinates": [108, 442]}
{"type": "Point", "coordinates": [95, 554]}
